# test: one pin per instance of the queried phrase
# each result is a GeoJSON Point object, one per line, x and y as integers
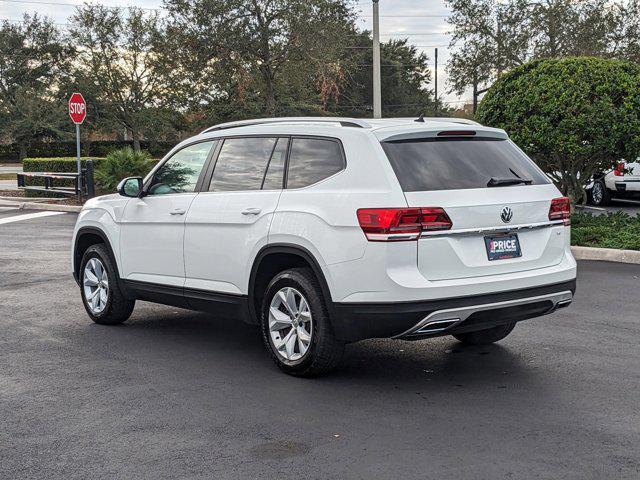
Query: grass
{"type": "Point", "coordinates": [614, 230]}
{"type": "Point", "coordinates": [7, 176]}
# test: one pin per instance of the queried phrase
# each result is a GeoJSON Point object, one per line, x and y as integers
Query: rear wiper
{"type": "Point", "coordinates": [498, 182]}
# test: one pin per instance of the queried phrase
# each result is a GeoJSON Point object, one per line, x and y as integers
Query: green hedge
{"type": "Point", "coordinates": [98, 148]}
{"type": "Point", "coordinates": [614, 230]}
{"type": "Point", "coordinates": [57, 165]}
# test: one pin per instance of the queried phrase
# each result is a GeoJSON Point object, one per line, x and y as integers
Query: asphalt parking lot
{"type": "Point", "coordinates": [630, 207]}
{"type": "Point", "coordinates": [179, 394]}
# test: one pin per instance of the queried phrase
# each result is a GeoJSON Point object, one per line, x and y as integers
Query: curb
{"type": "Point", "coordinates": [49, 207]}
{"type": "Point", "coordinates": [606, 255]}
{"type": "Point", "coordinates": [31, 199]}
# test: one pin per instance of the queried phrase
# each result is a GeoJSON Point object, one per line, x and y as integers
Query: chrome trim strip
{"type": "Point", "coordinates": [461, 314]}
{"type": "Point", "coordinates": [501, 229]}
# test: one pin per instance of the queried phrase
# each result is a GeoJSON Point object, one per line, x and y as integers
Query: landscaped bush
{"type": "Point", "coordinates": [57, 164]}
{"type": "Point", "coordinates": [614, 230]}
{"type": "Point", "coordinates": [120, 164]}
{"type": "Point", "coordinates": [573, 116]}
{"type": "Point", "coordinates": [97, 148]}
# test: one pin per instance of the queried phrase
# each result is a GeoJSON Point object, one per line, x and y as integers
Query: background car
{"type": "Point", "coordinates": [620, 182]}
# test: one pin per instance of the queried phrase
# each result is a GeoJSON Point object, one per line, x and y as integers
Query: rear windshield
{"type": "Point", "coordinates": [451, 164]}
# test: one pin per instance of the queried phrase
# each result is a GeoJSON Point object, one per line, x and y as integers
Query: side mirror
{"type": "Point", "coordinates": [130, 187]}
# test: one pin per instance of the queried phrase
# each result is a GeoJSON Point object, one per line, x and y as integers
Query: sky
{"type": "Point", "coordinates": [423, 22]}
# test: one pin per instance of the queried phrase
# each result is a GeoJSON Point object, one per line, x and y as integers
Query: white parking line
{"type": "Point", "coordinates": [28, 216]}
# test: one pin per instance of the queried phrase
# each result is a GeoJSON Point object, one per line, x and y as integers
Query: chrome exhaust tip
{"type": "Point", "coordinates": [437, 326]}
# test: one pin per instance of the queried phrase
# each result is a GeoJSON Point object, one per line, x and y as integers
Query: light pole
{"type": "Point", "coordinates": [436, 75]}
{"type": "Point", "coordinates": [377, 96]}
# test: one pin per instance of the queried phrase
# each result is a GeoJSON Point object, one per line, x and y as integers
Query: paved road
{"type": "Point", "coordinates": [631, 207]}
{"type": "Point", "coordinates": [177, 394]}
{"type": "Point", "coordinates": [10, 167]}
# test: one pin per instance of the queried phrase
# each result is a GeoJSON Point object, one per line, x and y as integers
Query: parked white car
{"type": "Point", "coordinates": [325, 231]}
{"type": "Point", "coordinates": [620, 182]}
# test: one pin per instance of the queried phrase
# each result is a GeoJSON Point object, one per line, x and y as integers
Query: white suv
{"type": "Point", "coordinates": [325, 231]}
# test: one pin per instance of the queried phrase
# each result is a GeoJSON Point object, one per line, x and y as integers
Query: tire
{"type": "Point", "coordinates": [113, 306]}
{"type": "Point", "coordinates": [323, 350]}
{"type": "Point", "coordinates": [599, 194]}
{"type": "Point", "coordinates": [485, 337]}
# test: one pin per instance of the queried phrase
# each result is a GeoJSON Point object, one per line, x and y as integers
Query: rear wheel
{"type": "Point", "coordinates": [599, 194]}
{"type": "Point", "coordinates": [296, 327]}
{"type": "Point", "coordinates": [485, 337]}
{"type": "Point", "coordinates": [102, 295]}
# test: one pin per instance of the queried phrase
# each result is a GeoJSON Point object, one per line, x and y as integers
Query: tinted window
{"type": "Point", "coordinates": [311, 160]}
{"type": "Point", "coordinates": [449, 164]}
{"type": "Point", "coordinates": [180, 173]}
{"type": "Point", "coordinates": [275, 170]}
{"type": "Point", "coordinates": [241, 164]}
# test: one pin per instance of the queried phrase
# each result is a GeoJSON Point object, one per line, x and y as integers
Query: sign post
{"type": "Point", "coordinates": [78, 112]}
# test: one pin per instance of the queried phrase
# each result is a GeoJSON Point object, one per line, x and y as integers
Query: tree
{"type": "Point", "coordinates": [405, 80]}
{"type": "Point", "coordinates": [33, 56]}
{"type": "Point", "coordinates": [256, 55]}
{"type": "Point", "coordinates": [119, 53]}
{"type": "Point", "coordinates": [573, 116]}
{"type": "Point", "coordinates": [492, 36]}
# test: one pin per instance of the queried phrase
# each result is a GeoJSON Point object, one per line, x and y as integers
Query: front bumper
{"type": "Point", "coordinates": [415, 320]}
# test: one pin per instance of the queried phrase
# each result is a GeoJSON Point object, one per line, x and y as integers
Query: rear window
{"type": "Point", "coordinates": [460, 163]}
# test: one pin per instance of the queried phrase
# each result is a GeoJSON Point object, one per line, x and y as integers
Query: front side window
{"type": "Point", "coordinates": [180, 173]}
{"type": "Point", "coordinates": [312, 160]}
{"type": "Point", "coordinates": [241, 164]}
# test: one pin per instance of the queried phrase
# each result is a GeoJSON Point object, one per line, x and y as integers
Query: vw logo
{"type": "Point", "coordinates": [506, 215]}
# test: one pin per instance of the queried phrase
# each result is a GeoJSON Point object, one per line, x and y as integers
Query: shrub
{"type": "Point", "coordinates": [614, 230]}
{"type": "Point", "coordinates": [120, 164]}
{"type": "Point", "coordinates": [96, 148]}
{"type": "Point", "coordinates": [573, 116]}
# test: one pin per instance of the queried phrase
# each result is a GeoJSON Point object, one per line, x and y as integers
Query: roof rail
{"type": "Point", "coordinates": [345, 122]}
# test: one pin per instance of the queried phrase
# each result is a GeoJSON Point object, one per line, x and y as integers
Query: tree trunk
{"type": "Point", "coordinates": [270, 91]}
{"type": "Point", "coordinates": [22, 151]}
{"type": "Point", "coordinates": [136, 140]}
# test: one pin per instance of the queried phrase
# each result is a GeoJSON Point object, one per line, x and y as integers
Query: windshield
{"type": "Point", "coordinates": [460, 163]}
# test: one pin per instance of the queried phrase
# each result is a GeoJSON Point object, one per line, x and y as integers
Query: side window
{"type": "Point", "coordinates": [241, 164]}
{"type": "Point", "coordinates": [312, 160]}
{"type": "Point", "coordinates": [180, 173]}
{"type": "Point", "coordinates": [275, 171]}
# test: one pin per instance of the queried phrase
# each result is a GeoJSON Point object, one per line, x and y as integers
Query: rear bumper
{"type": "Point", "coordinates": [628, 186]}
{"type": "Point", "coordinates": [422, 319]}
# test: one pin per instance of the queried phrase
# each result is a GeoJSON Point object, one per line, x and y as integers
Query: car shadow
{"type": "Point", "coordinates": [237, 349]}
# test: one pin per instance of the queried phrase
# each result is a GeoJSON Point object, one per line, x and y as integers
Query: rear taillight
{"type": "Point", "coordinates": [401, 224]}
{"type": "Point", "coordinates": [560, 209]}
{"type": "Point", "coordinates": [619, 171]}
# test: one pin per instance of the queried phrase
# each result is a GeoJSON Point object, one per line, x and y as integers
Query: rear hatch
{"type": "Point", "coordinates": [498, 201]}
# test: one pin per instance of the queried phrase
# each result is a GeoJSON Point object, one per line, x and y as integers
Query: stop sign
{"type": "Point", "coordinates": [77, 108]}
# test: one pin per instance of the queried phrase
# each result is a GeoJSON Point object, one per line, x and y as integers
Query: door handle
{"type": "Point", "coordinates": [251, 211]}
{"type": "Point", "coordinates": [178, 211]}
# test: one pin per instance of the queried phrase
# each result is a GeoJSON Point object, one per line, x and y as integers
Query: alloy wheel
{"type": "Point", "coordinates": [290, 324]}
{"type": "Point", "coordinates": [95, 283]}
{"type": "Point", "coordinates": [596, 193]}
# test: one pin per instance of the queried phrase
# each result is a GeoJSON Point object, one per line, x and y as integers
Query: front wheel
{"type": "Point", "coordinates": [485, 337]}
{"type": "Point", "coordinates": [102, 295]}
{"type": "Point", "coordinates": [296, 327]}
